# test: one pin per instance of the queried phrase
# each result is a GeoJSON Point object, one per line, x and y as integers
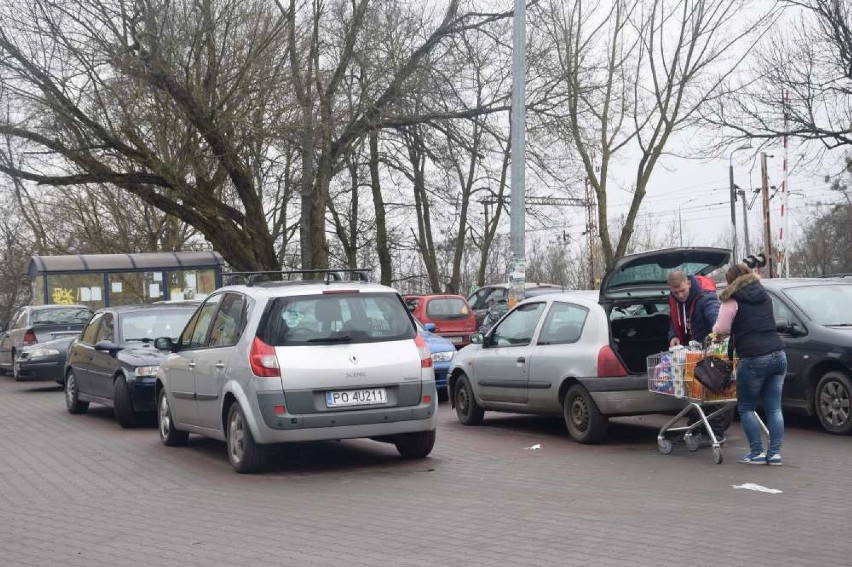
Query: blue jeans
{"type": "Point", "coordinates": [760, 379]}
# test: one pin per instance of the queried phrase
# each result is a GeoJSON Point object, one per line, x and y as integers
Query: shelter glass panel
{"type": "Point", "coordinates": [127, 288]}
{"type": "Point", "coordinates": [191, 284]}
{"type": "Point", "coordinates": [83, 289]}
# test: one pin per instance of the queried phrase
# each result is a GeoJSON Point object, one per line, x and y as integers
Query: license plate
{"type": "Point", "coordinates": [455, 339]}
{"type": "Point", "coordinates": [367, 397]}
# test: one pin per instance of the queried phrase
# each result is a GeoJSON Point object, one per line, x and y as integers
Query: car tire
{"type": "Point", "coordinates": [833, 402]}
{"type": "Point", "coordinates": [122, 403]}
{"type": "Point", "coordinates": [467, 410]}
{"type": "Point", "coordinates": [415, 445]}
{"type": "Point", "coordinates": [72, 395]}
{"type": "Point", "coordinates": [245, 454]}
{"type": "Point", "coordinates": [170, 436]}
{"type": "Point", "coordinates": [583, 419]}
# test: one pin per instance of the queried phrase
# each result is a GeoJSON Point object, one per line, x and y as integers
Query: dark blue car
{"type": "Point", "coordinates": [114, 361]}
{"type": "Point", "coordinates": [442, 355]}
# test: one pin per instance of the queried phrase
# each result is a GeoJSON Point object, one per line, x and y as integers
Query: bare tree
{"type": "Point", "coordinates": [629, 74]}
{"type": "Point", "coordinates": [801, 81]}
{"type": "Point", "coordinates": [161, 99]}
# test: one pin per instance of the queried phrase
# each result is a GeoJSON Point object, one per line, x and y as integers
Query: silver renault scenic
{"type": "Point", "coordinates": [305, 360]}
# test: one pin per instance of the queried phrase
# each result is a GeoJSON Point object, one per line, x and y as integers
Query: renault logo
{"type": "Point", "coordinates": [353, 359]}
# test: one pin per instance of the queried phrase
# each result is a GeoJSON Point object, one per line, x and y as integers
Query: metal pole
{"type": "Point", "coordinates": [733, 196]}
{"type": "Point", "coordinates": [518, 140]}
{"type": "Point", "coordinates": [746, 244]}
{"type": "Point", "coordinates": [767, 233]}
{"type": "Point", "coordinates": [735, 257]}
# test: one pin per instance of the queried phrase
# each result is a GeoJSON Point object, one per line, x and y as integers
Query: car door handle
{"type": "Point", "coordinates": [191, 364]}
{"type": "Point", "coordinates": [521, 359]}
{"type": "Point", "coordinates": [220, 365]}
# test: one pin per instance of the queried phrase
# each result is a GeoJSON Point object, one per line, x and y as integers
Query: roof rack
{"type": "Point", "coordinates": [332, 274]}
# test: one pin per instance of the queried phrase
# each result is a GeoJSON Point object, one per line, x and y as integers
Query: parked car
{"type": "Point", "coordinates": [487, 296]}
{"type": "Point", "coordinates": [43, 361]}
{"type": "Point", "coordinates": [37, 324]}
{"type": "Point", "coordinates": [493, 314]}
{"type": "Point", "coordinates": [114, 361]}
{"type": "Point", "coordinates": [442, 351]}
{"type": "Point", "coordinates": [451, 315]}
{"type": "Point", "coordinates": [580, 354]}
{"type": "Point", "coordinates": [814, 318]}
{"type": "Point", "coordinates": [276, 362]}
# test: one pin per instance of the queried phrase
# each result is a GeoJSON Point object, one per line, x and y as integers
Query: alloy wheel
{"type": "Point", "coordinates": [834, 404]}
{"type": "Point", "coordinates": [236, 435]}
{"type": "Point", "coordinates": [70, 390]}
{"type": "Point", "coordinates": [164, 417]}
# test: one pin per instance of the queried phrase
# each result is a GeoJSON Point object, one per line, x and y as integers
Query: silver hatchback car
{"type": "Point", "coordinates": [288, 361]}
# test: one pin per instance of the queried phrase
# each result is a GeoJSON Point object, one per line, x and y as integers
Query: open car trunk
{"type": "Point", "coordinates": [635, 292]}
{"type": "Point", "coordinates": [638, 331]}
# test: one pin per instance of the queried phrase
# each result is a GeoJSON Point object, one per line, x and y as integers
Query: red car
{"type": "Point", "coordinates": [451, 314]}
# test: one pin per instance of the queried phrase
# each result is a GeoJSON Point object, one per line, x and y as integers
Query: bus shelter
{"type": "Point", "coordinates": [101, 280]}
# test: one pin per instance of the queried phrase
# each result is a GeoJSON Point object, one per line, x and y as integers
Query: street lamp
{"type": "Point", "coordinates": [733, 196]}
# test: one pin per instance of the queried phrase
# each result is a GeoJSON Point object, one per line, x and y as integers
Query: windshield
{"type": "Point", "coordinates": [69, 315]}
{"type": "Point", "coordinates": [150, 324]}
{"type": "Point", "coordinates": [824, 304]}
{"type": "Point", "coordinates": [336, 318]}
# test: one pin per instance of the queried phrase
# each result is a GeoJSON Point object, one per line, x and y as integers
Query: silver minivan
{"type": "Point", "coordinates": [289, 361]}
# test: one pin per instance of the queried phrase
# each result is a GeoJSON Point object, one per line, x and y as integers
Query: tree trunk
{"type": "Point", "coordinates": [379, 205]}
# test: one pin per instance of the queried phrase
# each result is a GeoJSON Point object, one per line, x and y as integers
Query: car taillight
{"type": "Point", "coordinates": [30, 337]}
{"type": "Point", "coordinates": [425, 353]}
{"type": "Point", "coordinates": [609, 364]}
{"type": "Point", "coordinates": [262, 360]}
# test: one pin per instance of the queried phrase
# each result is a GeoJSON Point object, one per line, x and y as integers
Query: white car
{"type": "Point", "coordinates": [288, 361]}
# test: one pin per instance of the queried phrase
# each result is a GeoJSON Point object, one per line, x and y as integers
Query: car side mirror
{"type": "Point", "coordinates": [165, 343]}
{"type": "Point", "coordinates": [430, 327]}
{"type": "Point", "coordinates": [789, 328]}
{"type": "Point", "coordinates": [477, 339]}
{"type": "Point", "coordinates": [108, 346]}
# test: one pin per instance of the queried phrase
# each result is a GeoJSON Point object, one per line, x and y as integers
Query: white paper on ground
{"type": "Point", "coordinates": [535, 447]}
{"type": "Point", "coordinates": [757, 487]}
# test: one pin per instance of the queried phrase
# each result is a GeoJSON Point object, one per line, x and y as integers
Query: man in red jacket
{"type": "Point", "coordinates": [694, 307]}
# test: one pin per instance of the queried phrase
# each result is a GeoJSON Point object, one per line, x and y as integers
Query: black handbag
{"type": "Point", "coordinates": [714, 373]}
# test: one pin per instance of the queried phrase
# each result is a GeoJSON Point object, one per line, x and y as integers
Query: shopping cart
{"type": "Point", "coordinates": [672, 373]}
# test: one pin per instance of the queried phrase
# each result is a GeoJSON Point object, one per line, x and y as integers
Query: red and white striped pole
{"type": "Point", "coordinates": [783, 260]}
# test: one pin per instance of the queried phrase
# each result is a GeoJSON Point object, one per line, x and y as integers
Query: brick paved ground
{"type": "Point", "coordinates": [79, 490]}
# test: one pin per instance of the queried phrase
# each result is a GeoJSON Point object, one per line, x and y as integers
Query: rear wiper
{"type": "Point", "coordinates": [340, 339]}
{"type": "Point", "coordinates": [838, 324]}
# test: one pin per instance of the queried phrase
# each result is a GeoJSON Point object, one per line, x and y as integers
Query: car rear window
{"type": "Point", "coordinates": [336, 318]}
{"type": "Point", "coordinates": [444, 308]}
{"type": "Point", "coordinates": [150, 324]}
{"type": "Point", "coordinates": [654, 273]}
{"type": "Point", "coordinates": [61, 316]}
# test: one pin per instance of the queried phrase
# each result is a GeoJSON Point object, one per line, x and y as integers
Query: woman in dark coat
{"type": "Point", "coordinates": [746, 314]}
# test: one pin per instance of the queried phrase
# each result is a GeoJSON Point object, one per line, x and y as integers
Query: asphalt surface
{"type": "Point", "coordinates": [79, 490]}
